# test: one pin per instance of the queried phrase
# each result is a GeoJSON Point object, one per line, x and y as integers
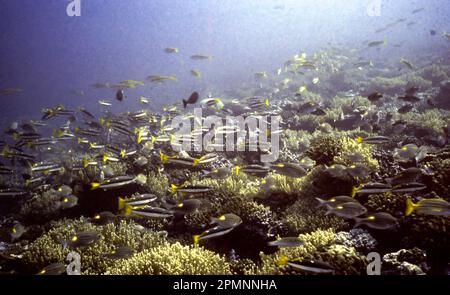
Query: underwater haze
{"type": "Point", "coordinates": [53, 57]}
{"type": "Point", "coordinates": [237, 137]}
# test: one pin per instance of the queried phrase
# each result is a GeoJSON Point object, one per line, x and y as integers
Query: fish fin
{"type": "Point", "coordinates": [354, 191]}
{"type": "Point", "coordinates": [237, 170]}
{"type": "Point", "coordinates": [267, 102]}
{"type": "Point", "coordinates": [196, 162]}
{"type": "Point", "coordinates": [122, 203]}
{"type": "Point", "coordinates": [184, 103]}
{"type": "Point", "coordinates": [164, 158]}
{"type": "Point", "coordinates": [196, 239]}
{"type": "Point", "coordinates": [128, 210]}
{"type": "Point", "coordinates": [139, 136]}
{"type": "Point", "coordinates": [95, 185]}
{"type": "Point", "coordinates": [410, 206]}
{"type": "Point", "coordinates": [283, 261]}
{"type": "Point", "coordinates": [321, 202]}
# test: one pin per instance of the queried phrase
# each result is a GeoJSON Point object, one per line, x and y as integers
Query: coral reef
{"type": "Point", "coordinates": [49, 248]}
{"type": "Point", "coordinates": [173, 259]}
{"type": "Point", "coordinates": [318, 245]}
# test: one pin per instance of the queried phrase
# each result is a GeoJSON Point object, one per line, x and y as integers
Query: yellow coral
{"type": "Point", "coordinates": [174, 259]}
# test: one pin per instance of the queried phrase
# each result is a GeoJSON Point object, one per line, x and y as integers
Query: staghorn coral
{"type": "Point", "coordinates": [48, 248]}
{"type": "Point", "coordinates": [337, 147]}
{"type": "Point", "coordinates": [318, 245]}
{"type": "Point", "coordinates": [323, 149]}
{"type": "Point", "coordinates": [243, 267]}
{"type": "Point", "coordinates": [434, 73]}
{"type": "Point", "coordinates": [41, 208]}
{"type": "Point", "coordinates": [172, 259]}
{"type": "Point", "coordinates": [296, 141]}
{"type": "Point", "coordinates": [395, 85]}
{"type": "Point", "coordinates": [158, 183]}
{"type": "Point", "coordinates": [303, 217]}
{"type": "Point", "coordinates": [435, 120]}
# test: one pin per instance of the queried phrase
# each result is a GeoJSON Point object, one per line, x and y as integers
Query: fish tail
{"type": "Point", "coordinates": [359, 139]}
{"type": "Point", "coordinates": [139, 136]}
{"type": "Point", "coordinates": [128, 210]}
{"type": "Point", "coordinates": [267, 102]}
{"type": "Point", "coordinates": [196, 162]}
{"type": "Point", "coordinates": [321, 202]}
{"type": "Point", "coordinates": [105, 157]}
{"type": "Point", "coordinates": [410, 206]}
{"type": "Point", "coordinates": [122, 153]}
{"type": "Point", "coordinates": [354, 191]}
{"type": "Point", "coordinates": [237, 170]}
{"type": "Point", "coordinates": [95, 185]}
{"type": "Point", "coordinates": [164, 158]}
{"type": "Point", "coordinates": [122, 203]}
{"type": "Point", "coordinates": [174, 188]}
{"type": "Point", "coordinates": [196, 239]}
{"type": "Point", "coordinates": [283, 261]}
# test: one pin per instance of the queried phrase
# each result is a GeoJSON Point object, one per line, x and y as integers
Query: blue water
{"type": "Point", "coordinates": [51, 55]}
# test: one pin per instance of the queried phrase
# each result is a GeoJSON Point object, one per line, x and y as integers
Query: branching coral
{"type": "Point", "coordinates": [173, 259]}
{"type": "Point", "coordinates": [48, 248]}
{"type": "Point", "coordinates": [318, 245]}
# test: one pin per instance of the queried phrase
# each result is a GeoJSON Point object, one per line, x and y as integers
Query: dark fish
{"type": "Point", "coordinates": [334, 201]}
{"type": "Point", "coordinates": [289, 169]}
{"type": "Point", "coordinates": [310, 266]}
{"type": "Point", "coordinates": [371, 188]}
{"type": "Point", "coordinates": [191, 100]}
{"type": "Point", "coordinates": [319, 112]}
{"type": "Point", "coordinates": [347, 210]}
{"type": "Point", "coordinates": [412, 90]}
{"type": "Point", "coordinates": [436, 207]}
{"type": "Point", "coordinates": [119, 253]}
{"type": "Point", "coordinates": [216, 231]}
{"type": "Point", "coordinates": [57, 268]}
{"type": "Point", "coordinates": [103, 218]}
{"type": "Point", "coordinates": [120, 95]}
{"type": "Point", "coordinates": [148, 212]}
{"type": "Point", "coordinates": [186, 207]}
{"type": "Point", "coordinates": [191, 189]}
{"type": "Point", "coordinates": [408, 187]}
{"type": "Point", "coordinates": [405, 109]}
{"type": "Point", "coordinates": [380, 220]}
{"type": "Point", "coordinates": [375, 96]}
{"type": "Point", "coordinates": [226, 220]}
{"type": "Point", "coordinates": [82, 239]}
{"type": "Point", "coordinates": [287, 242]}
{"type": "Point", "coordinates": [409, 98]}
